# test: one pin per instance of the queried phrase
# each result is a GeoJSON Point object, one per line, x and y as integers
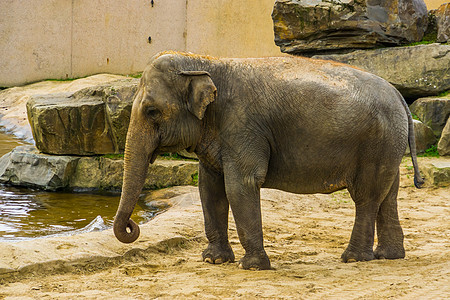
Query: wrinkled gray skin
{"type": "Point", "coordinates": [294, 124]}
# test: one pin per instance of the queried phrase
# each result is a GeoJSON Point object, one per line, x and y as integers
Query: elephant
{"type": "Point", "coordinates": [290, 123]}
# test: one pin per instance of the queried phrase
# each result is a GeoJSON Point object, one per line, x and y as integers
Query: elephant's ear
{"type": "Point", "coordinates": [202, 92]}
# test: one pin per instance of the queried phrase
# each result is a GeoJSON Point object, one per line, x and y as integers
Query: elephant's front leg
{"type": "Point", "coordinates": [215, 211]}
{"type": "Point", "coordinates": [243, 193]}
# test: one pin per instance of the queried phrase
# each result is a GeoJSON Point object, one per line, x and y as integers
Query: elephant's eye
{"type": "Point", "coordinates": [152, 111]}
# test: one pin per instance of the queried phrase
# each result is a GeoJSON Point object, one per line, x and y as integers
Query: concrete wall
{"type": "Point", "coordinates": [231, 28]}
{"type": "Point", "coordinates": [35, 40]}
{"type": "Point", "coordinates": [60, 39]}
{"type": "Point", "coordinates": [112, 35]}
{"type": "Point", "coordinates": [433, 4]}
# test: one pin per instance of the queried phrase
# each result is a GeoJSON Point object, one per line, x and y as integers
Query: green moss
{"type": "Point", "coordinates": [444, 94]}
{"type": "Point", "coordinates": [135, 75]}
{"type": "Point", "coordinates": [195, 179]}
{"type": "Point", "coordinates": [430, 152]}
{"type": "Point", "coordinates": [415, 117]}
{"type": "Point", "coordinates": [429, 38]}
{"type": "Point", "coordinates": [420, 43]}
{"type": "Point", "coordinates": [114, 156]}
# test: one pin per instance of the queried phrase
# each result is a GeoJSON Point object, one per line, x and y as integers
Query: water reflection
{"type": "Point", "coordinates": [26, 213]}
{"type": "Point", "coordinates": [8, 142]}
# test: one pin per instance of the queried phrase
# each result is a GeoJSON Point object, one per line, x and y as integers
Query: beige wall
{"type": "Point", "coordinates": [34, 43]}
{"type": "Point", "coordinates": [59, 39]}
{"type": "Point", "coordinates": [231, 28]}
{"type": "Point", "coordinates": [73, 38]}
{"type": "Point", "coordinates": [112, 36]}
{"type": "Point", "coordinates": [433, 4]}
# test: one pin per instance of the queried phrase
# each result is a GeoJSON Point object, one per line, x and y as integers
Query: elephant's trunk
{"type": "Point", "coordinates": [139, 150]}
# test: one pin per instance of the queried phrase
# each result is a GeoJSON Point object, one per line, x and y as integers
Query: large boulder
{"type": "Point", "coordinates": [433, 112]}
{"type": "Point", "coordinates": [444, 142]}
{"type": "Point", "coordinates": [436, 171]}
{"type": "Point", "coordinates": [104, 173]}
{"type": "Point", "coordinates": [317, 25]}
{"type": "Point", "coordinates": [416, 71]}
{"type": "Point", "coordinates": [424, 136]}
{"type": "Point", "coordinates": [93, 120]}
{"type": "Point", "coordinates": [13, 112]}
{"type": "Point", "coordinates": [443, 23]}
{"type": "Point", "coordinates": [26, 166]}
{"type": "Point", "coordinates": [64, 125]}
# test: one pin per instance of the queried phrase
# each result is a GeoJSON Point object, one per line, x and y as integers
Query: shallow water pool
{"type": "Point", "coordinates": [26, 213]}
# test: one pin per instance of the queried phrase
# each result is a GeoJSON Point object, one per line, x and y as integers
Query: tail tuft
{"type": "Point", "coordinates": [418, 181]}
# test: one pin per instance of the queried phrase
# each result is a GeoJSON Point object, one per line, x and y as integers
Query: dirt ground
{"type": "Point", "coordinates": [304, 238]}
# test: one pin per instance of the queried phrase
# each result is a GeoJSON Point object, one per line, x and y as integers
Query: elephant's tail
{"type": "Point", "coordinates": [418, 180]}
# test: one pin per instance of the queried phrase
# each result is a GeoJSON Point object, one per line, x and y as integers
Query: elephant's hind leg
{"type": "Point", "coordinates": [368, 192]}
{"type": "Point", "coordinates": [215, 211]}
{"type": "Point", "coordinates": [389, 231]}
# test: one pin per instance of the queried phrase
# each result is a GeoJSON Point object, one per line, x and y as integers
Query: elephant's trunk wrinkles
{"type": "Point", "coordinates": [138, 152]}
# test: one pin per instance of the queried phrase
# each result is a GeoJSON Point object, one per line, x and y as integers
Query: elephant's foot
{"type": "Point", "coordinates": [353, 256]}
{"type": "Point", "coordinates": [255, 261]}
{"type": "Point", "coordinates": [218, 254]}
{"type": "Point", "coordinates": [382, 252]}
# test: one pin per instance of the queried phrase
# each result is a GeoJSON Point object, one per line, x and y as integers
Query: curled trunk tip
{"type": "Point", "coordinates": [126, 231]}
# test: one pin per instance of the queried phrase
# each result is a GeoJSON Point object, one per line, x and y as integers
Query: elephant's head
{"type": "Point", "coordinates": [166, 116]}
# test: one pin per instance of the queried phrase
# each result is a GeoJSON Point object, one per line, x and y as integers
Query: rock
{"type": "Point", "coordinates": [93, 120]}
{"type": "Point", "coordinates": [443, 23]}
{"type": "Point", "coordinates": [424, 137]}
{"type": "Point", "coordinates": [186, 154]}
{"type": "Point", "coordinates": [64, 125]}
{"type": "Point", "coordinates": [429, 76]}
{"type": "Point", "coordinates": [318, 25]}
{"type": "Point", "coordinates": [162, 199]}
{"type": "Point", "coordinates": [431, 32]}
{"type": "Point", "coordinates": [160, 204]}
{"type": "Point", "coordinates": [118, 97]}
{"type": "Point", "coordinates": [13, 112]}
{"type": "Point", "coordinates": [101, 173]}
{"type": "Point", "coordinates": [433, 112]}
{"type": "Point", "coordinates": [25, 166]}
{"type": "Point", "coordinates": [167, 173]}
{"type": "Point", "coordinates": [436, 172]}
{"type": "Point", "coordinates": [444, 142]}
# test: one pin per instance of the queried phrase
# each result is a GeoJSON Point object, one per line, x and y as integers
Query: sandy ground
{"type": "Point", "coordinates": [304, 237]}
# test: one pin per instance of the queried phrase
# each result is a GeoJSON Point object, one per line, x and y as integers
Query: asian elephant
{"type": "Point", "coordinates": [290, 123]}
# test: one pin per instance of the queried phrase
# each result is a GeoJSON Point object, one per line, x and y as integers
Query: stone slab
{"type": "Point", "coordinates": [444, 142]}
{"type": "Point", "coordinates": [436, 171]}
{"type": "Point", "coordinates": [433, 112]}
{"type": "Point", "coordinates": [322, 25]}
{"type": "Point", "coordinates": [428, 76]}
{"type": "Point", "coordinates": [93, 120]}
{"type": "Point", "coordinates": [26, 166]}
